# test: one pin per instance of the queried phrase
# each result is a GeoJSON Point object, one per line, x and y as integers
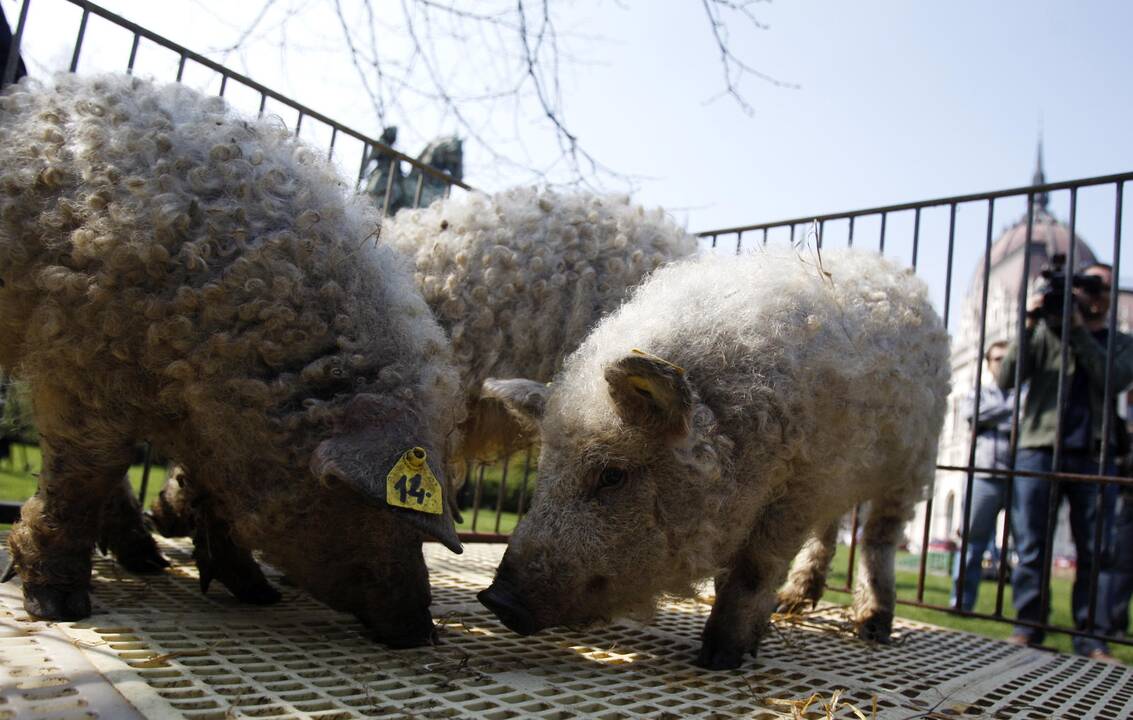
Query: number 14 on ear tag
{"type": "Point", "coordinates": [412, 485]}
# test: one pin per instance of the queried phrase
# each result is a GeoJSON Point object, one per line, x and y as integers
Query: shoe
{"type": "Point", "coordinates": [1020, 640]}
{"type": "Point", "coordinates": [1103, 655]}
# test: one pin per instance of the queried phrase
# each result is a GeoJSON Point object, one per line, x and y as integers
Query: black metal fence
{"type": "Point", "coordinates": [157, 51]}
{"type": "Point", "coordinates": [941, 240]}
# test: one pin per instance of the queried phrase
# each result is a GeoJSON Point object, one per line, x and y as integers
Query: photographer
{"type": "Point", "coordinates": [1081, 442]}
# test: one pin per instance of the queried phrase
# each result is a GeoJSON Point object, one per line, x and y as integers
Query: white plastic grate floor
{"type": "Point", "coordinates": [156, 648]}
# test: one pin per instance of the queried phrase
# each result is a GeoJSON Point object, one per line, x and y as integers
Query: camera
{"type": "Point", "coordinates": [1053, 286]}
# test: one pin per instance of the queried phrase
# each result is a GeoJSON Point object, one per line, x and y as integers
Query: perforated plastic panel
{"type": "Point", "coordinates": [157, 648]}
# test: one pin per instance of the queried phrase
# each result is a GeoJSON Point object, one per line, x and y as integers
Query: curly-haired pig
{"type": "Point", "coordinates": [731, 410]}
{"type": "Point", "coordinates": [173, 272]}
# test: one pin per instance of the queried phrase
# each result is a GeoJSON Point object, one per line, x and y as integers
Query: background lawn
{"type": "Point", "coordinates": [937, 589]}
{"type": "Point", "coordinates": [486, 521]}
{"type": "Point", "coordinates": [18, 475]}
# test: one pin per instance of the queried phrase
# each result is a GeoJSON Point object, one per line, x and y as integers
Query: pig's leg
{"type": "Point", "coordinates": [219, 557]}
{"type": "Point", "coordinates": [124, 535]}
{"type": "Point", "coordinates": [875, 587]}
{"type": "Point", "coordinates": [51, 544]}
{"type": "Point", "coordinates": [745, 596]}
{"type": "Point", "coordinates": [807, 578]}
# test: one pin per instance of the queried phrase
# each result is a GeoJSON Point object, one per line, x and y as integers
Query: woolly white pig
{"type": "Point", "coordinates": [734, 408]}
{"type": "Point", "coordinates": [171, 271]}
{"type": "Point", "coordinates": [519, 279]}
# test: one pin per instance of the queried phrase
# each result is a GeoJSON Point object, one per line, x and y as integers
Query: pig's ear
{"type": "Point", "coordinates": [650, 392]}
{"type": "Point", "coordinates": [524, 398]}
{"type": "Point", "coordinates": [404, 484]}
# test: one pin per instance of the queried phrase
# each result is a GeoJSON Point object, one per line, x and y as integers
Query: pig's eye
{"type": "Point", "coordinates": [611, 477]}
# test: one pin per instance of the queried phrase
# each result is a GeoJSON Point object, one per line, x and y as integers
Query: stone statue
{"type": "Point", "coordinates": [445, 154]}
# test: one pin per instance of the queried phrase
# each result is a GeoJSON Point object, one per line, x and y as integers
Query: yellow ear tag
{"type": "Point", "coordinates": [412, 485]}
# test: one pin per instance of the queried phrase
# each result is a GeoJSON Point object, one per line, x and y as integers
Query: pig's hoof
{"type": "Point", "coordinates": [404, 642]}
{"type": "Point", "coordinates": [722, 658]}
{"type": "Point", "coordinates": [876, 628]}
{"type": "Point", "coordinates": [53, 603]}
{"type": "Point", "coordinates": [246, 583]}
{"type": "Point", "coordinates": [142, 556]}
{"type": "Point", "coordinates": [258, 594]}
{"type": "Point", "coordinates": [792, 605]}
{"type": "Point", "coordinates": [133, 548]}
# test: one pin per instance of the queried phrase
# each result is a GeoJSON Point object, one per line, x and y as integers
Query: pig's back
{"type": "Point", "coordinates": [838, 352]}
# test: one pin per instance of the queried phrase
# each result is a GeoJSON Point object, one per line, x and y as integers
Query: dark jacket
{"type": "Point", "coordinates": [1040, 366]}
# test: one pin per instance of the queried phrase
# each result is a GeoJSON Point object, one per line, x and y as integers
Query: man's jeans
{"type": "Point", "coordinates": [989, 496]}
{"type": "Point", "coordinates": [1117, 578]}
{"type": "Point", "coordinates": [1030, 508]}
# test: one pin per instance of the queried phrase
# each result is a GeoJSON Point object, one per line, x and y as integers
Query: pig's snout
{"type": "Point", "coordinates": [507, 606]}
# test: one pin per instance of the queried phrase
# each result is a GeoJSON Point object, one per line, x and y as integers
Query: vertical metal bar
{"type": "Point", "coordinates": [1107, 413]}
{"type": "Point", "coordinates": [1063, 393]}
{"type": "Point", "coordinates": [146, 463]}
{"type": "Point", "coordinates": [502, 492]}
{"type": "Point", "coordinates": [79, 39]}
{"type": "Point", "coordinates": [739, 242]}
{"type": "Point", "coordinates": [298, 123]}
{"type": "Point", "coordinates": [223, 84]}
{"type": "Point", "coordinates": [966, 523]}
{"type": "Point", "coordinates": [1021, 342]}
{"type": "Point", "coordinates": [1001, 568]}
{"type": "Point", "coordinates": [523, 487]}
{"type": "Point", "coordinates": [948, 268]}
{"type": "Point", "coordinates": [792, 241]}
{"type": "Point", "coordinates": [333, 137]}
{"type": "Point", "coordinates": [394, 170]}
{"type": "Point", "coordinates": [916, 234]}
{"type": "Point", "coordinates": [881, 248]}
{"type": "Point", "coordinates": [922, 565]}
{"type": "Point", "coordinates": [12, 62]}
{"type": "Point", "coordinates": [420, 189]}
{"type": "Point", "coordinates": [764, 237]}
{"type": "Point", "coordinates": [850, 239]}
{"type": "Point", "coordinates": [821, 232]}
{"type": "Point", "coordinates": [362, 166]}
{"type": "Point", "coordinates": [133, 54]}
{"type": "Point", "coordinates": [467, 481]}
{"type": "Point", "coordinates": [476, 497]}
{"type": "Point", "coordinates": [263, 103]}
{"type": "Point", "coordinates": [181, 68]}
{"type": "Point", "coordinates": [713, 243]}
{"type": "Point", "coordinates": [853, 548]}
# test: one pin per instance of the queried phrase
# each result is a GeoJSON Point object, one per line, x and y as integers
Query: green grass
{"type": "Point", "coordinates": [937, 589]}
{"type": "Point", "coordinates": [486, 521]}
{"type": "Point", "coordinates": [17, 474]}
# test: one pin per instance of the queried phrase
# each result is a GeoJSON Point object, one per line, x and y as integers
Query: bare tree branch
{"type": "Point", "coordinates": [734, 68]}
{"type": "Point", "coordinates": [413, 58]}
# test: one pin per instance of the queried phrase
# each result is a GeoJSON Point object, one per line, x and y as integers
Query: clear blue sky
{"type": "Point", "coordinates": [898, 101]}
